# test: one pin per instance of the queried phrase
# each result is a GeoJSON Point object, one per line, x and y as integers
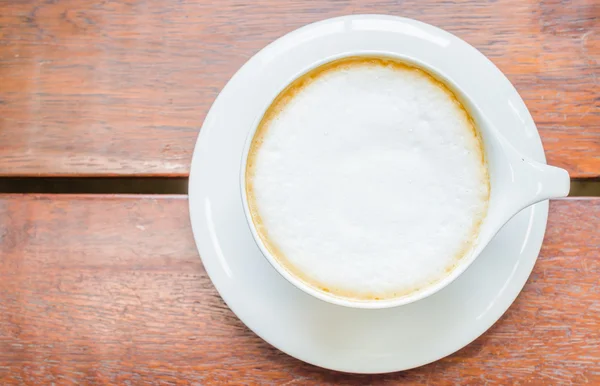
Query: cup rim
{"type": "Point", "coordinates": [415, 296]}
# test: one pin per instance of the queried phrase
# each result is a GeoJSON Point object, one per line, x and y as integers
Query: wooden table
{"type": "Point", "coordinates": [110, 288]}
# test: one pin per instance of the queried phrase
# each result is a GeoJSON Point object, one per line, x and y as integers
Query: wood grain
{"type": "Point", "coordinates": [122, 87]}
{"type": "Point", "coordinates": [110, 290]}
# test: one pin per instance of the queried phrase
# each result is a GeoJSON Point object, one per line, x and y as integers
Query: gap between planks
{"type": "Point", "coordinates": [588, 187]}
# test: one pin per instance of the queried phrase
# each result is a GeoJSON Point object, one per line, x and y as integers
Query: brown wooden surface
{"type": "Point", "coordinates": [102, 289]}
{"type": "Point", "coordinates": [121, 87]}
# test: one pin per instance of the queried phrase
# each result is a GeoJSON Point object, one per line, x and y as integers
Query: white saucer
{"type": "Point", "coordinates": [339, 338]}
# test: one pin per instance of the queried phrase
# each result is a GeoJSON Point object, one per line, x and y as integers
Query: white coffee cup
{"type": "Point", "coordinates": [516, 182]}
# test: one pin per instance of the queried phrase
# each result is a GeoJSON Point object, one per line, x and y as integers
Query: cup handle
{"type": "Point", "coordinates": [531, 181]}
{"type": "Point", "coordinates": [551, 182]}
{"type": "Point", "coordinates": [520, 182]}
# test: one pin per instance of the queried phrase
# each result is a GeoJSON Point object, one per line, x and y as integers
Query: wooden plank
{"type": "Point", "coordinates": [97, 289]}
{"type": "Point", "coordinates": [122, 87]}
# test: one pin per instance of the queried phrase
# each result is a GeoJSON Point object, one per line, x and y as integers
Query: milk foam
{"type": "Point", "coordinates": [368, 181]}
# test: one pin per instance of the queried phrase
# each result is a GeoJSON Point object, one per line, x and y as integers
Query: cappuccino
{"type": "Point", "coordinates": [366, 179]}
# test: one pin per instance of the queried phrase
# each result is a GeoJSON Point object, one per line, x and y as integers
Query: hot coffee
{"type": "Point", "coordinates": [366, 179]}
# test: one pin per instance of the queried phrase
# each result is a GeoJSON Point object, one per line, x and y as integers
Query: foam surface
{"type": "Point", "coordinates": [369, 182]}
